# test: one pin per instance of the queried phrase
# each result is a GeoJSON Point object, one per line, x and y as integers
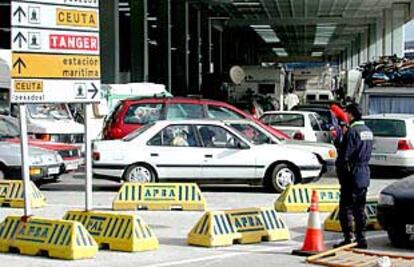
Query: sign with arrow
{"type": "Point", "coordinates": [55, 51]}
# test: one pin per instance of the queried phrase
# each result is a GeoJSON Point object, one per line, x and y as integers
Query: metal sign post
{"type": "Point", "coordinates": [55, 59]}
{"type": "Point", "coordinates": [88, 161]}
{"type": "Point", "coordinates": [25, 160]}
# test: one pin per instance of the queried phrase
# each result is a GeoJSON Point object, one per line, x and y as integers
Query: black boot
{"type": "Point", "coordinates": [361, 243]}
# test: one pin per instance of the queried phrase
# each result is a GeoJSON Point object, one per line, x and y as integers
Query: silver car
{"type": "Point", "coordinates": [43, 164]}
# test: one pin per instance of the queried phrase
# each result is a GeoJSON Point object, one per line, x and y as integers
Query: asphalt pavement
{"type": "Point", "coordinates": [172, 227]}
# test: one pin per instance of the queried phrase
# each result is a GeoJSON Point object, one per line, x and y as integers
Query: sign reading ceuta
{"type": "Point", "coordinates": [55, 51]}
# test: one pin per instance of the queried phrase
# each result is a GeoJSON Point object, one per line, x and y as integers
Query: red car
{"type": "Point", "coordinates": [71, 154]}
{"type": "Point", "coordinates": [131, 114]}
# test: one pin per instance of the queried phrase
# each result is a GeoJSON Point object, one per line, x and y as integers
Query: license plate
{"type": "Point", "coordinates": [72, 166]}
{"type": "Point", "coordinates": [55, 170]}
{"type": "Point", "coordinates": [380, 157]}
{"type": "Point", "coordinates": [409, 229]}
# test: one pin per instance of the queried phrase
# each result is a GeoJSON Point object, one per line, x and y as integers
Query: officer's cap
{"type": "Point", "coordinates": [355, 110]}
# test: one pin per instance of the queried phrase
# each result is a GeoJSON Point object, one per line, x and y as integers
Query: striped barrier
{"type": "Point", "coordinates": [333, 224]}
{"type": "Point", "coordinates": [55, 238]}
{"type": "Point", "coordinates": [12, 195]}
{"type": "Point", "coordinates": [224, 228]}
{"type": "Point", "coordinates": [121, 232]}
{"type": "Point", "coordinates": [159, 196]}
{"type": "Point", "coordinates": [296, 198]}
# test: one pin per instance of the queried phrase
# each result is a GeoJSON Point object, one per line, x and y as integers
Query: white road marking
{"type": "Point", "coordinates": [215, 257]}
{"type": "Point", "coordinates": [294, 245]}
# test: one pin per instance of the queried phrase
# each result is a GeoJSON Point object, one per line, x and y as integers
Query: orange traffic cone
{"type": "Point", "coordinates": [313, 242]}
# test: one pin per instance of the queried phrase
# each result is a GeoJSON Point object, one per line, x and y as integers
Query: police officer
{"type": "Point", "coordinates": [354, 174]}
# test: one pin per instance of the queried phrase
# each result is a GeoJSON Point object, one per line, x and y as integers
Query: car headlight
{"type": "Point", "coordinates": [332, 153]}
{"type": "Point", "coordinates": [386, 200]}
{"type": "Point", "coordinates": [36, 160]}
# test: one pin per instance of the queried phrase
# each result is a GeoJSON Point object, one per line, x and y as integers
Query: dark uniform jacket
{"type": "Point", "coordinates": [354, 154]}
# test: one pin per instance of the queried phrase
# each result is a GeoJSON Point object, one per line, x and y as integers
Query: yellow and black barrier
{"type": "Point", "coordinates": [120, 232]}
{"type": "Point", "coordinates": [243, 226]}
{"type": "Point", "coordinates": [332, 222]}
{"type": "Point", "coordinates": [159, 196]}
{"type": "Point", "coordinates": [53, 238]}
{"type": "Point", "coordinates": [12, 195]}
{"type": "Point", "coordinates": [297, 198]}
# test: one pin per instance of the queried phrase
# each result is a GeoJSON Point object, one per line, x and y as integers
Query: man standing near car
{"type": "Point", "coordinates": [354, 176]}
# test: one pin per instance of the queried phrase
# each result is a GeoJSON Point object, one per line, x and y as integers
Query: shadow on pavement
{"type": "Point", "coordinates": [234, 189]}
{"type": "Point", "coordinates": [173, 241]}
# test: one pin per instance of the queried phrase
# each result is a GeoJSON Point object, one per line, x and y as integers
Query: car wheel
{"type": "Point", "coordinates": [282, 176]}
{"type": "Point", "coordinates": [139, 173]}
{"type": "Point", "coordinates": [398, 237]}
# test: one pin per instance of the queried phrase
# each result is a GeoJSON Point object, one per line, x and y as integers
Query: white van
{"type": "Point", "coordinates": [317, 95]}
{"type": "Point", "coordinates": [50, 122]}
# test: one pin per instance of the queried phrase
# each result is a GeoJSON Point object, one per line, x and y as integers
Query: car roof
{"type": "Point", "coordinates": [189, 121]}
{"type": "Point", "coordinates": [392, 116]}
{"type": "Point", "coordinates": [179, 99]}
{"type": "Point", "coordinates": [313, 106]}
{"type": "Point", "coordinates": [289, 112]}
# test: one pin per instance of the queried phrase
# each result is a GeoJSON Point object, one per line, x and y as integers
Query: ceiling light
{"type": "Point", "coordinates": [266, 33]}
{"type": "Point", "coordinates": [246, 4]}
{"type": "Point", "coordinates": [280, 52]}
{"type": "Point", "coordinates": [317, 54]}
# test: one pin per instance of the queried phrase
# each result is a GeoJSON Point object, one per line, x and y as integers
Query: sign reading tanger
{"type": "Point", "coordinates": [55, 46]}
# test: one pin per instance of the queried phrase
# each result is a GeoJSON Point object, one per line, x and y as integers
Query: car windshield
{"type": "Point", "coordinates": [137, 132]}
{"type": "Point", "coordinates": [8, 130]}
{"type": "Point", "coordinates": [284, 119]}
{"type": "Point", "coordinates": [386, 128]}
{"type": "Point", "coordinates": [48, 111]}
{"type": "Point", "coordinates": [251, 133]}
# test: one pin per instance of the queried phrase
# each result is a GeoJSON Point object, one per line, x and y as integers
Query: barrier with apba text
{"type": "Point", "coordinates": [55, 238]}
{"type": "Point", "coordinates": [121, 232]}
{"type": "Point", "coordinates": [12, 195]}
{"type": "Point", "coordinates": [297, 198]}
{"type": "Point", "coordinates": [159, 196]}
{"type": "Point", "coordinates": [226, 227]}
{"type": "Point", "coordinates": [332, 222]}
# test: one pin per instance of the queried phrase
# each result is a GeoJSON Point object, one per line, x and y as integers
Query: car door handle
{"type": "Point", "coordinates": [208, 156]}
{"type": "Point", "coordinates": [154, 155]}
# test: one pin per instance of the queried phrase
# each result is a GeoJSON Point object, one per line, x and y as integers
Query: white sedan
{"type": "Point", "coordinates": [393, 141]}
{"type": "Point", "coordinates": [204, 152]}
{"type": "Point", "coordinates": [301, 125]}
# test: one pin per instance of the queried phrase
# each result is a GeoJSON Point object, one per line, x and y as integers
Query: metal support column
{"type": "Point", "coordinates": [400, 14]}
{"type": "Point", "coordinates": [164, 39]}
{"type": "Point", "coordinates": [180, 37]}
{"type": "Point", "coordinates": [364, 47]}
{"type": "Point", "coordinates": [139, 40]}
{"type": "Point", "coordinates": [388, 32]}
{"type": "Point", "coordinates": [88, 159]}
{"type": "Point", "coordinates": [109, 20]}
{"type": "Point", "coordinates": [372, 51]}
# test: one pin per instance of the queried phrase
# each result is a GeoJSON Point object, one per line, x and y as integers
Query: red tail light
{"type": "Point", "coordinates": [253, 111]}
{"type": "Point", "coordinates": [299, 136]}
{"type": "Point", "coordinates": [96, 156]}
{"type": "Point", "coordinates": [116, 133]}
{"type": "Point", "coordinates": [44, 137]}
{"type": "Point", "coordinates": [405, 145]}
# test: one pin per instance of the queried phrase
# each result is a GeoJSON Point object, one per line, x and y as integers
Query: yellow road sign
{"type": "Point", "coordinates": [78, 18]}
{"type": "Point", "coordinates": [28, 86]}
{"type": "Point", "coordinates": [27, 65]}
